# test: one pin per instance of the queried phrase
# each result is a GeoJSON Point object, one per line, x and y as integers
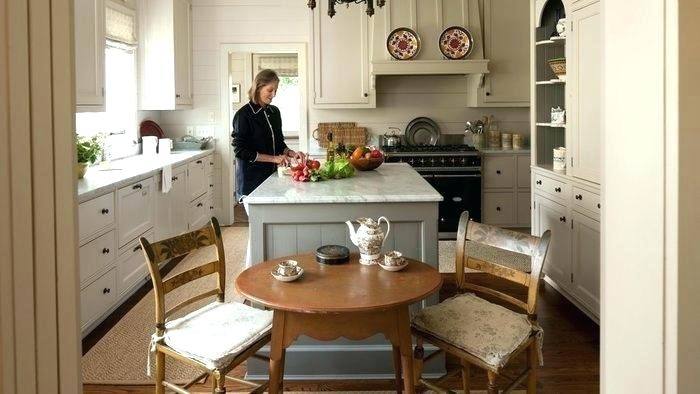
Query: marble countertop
{"type": "Point", "coordinates": [391, 182]}
{"type": "Point", "coordinates": [101, 179]}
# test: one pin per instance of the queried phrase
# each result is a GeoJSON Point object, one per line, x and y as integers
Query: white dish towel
{"type": "Point", "coordinates": [167, 182]}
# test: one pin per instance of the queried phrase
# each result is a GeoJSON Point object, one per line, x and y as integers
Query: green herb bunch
{"type": "Point", "coordinates": [88, 149]}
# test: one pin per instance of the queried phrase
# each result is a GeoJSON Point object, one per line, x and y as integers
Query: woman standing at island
{"type": "Point", "coordinates": [257, 136]}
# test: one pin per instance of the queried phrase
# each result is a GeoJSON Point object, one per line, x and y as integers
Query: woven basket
{"type": "Point", "coordinates": [340, 132]}
{"type": "Point", "coordinates": [558, 67]}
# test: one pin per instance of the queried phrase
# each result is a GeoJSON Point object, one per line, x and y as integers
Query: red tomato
{"type": "Point", "coordinates": [315, 164]}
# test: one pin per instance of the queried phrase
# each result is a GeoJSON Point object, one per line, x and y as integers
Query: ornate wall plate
{"type": "Point", "coordinates": [456, 42]}
{"type": "Point", "coordinates": [403, 43]}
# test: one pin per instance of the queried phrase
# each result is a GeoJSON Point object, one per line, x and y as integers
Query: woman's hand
{"type": "Point", "coordinates": [300, 157]}
{"type": "Point", "coordinates": [281, 160]}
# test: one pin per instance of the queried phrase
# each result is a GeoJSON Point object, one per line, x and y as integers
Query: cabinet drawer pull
{"type": "Point", "coordinates": [211, 163]}
{"type": "Point", "coordinates": [562, 219]}
{"type": "Point", "coordinates": [137, 248]}
{"type": "Point", "coordinates": [105, 211]}
{"type": "Point", "coordinates": [557, 189]}
{"type": "Point", "coordinates": [106, 290]}
{"type": "Point", "coordinates": [366, 95]}
{"type": "Point", "coordinates": [488, 93]}
{"type": "Point", "coordinates": [498, 209]}
{"type": "Point", "coordinates": [598, 205]}
{"type": "Point", "coordinates": [210, 208]}
{"type": "Point", "coordinates": [211, 185]}
{"type": "Point", "coordinates": [105, 250]}
{"type": "Point", "coordinates": [578, 197]}
{"type": "Point", "coordinates": [498, 172]}
{"type": "Point", "coordinates": [199, 204]}
{"type": "Point", "coordinates": [199, 162]}
{"type": "Point", "coordinates": [539, 182]}
{"type": "Point", "coordinates": [173, 178]}
{"type": "Point", "coordinates": [177, 95]}
{"type": "Point", "coordinates": [137, 186]}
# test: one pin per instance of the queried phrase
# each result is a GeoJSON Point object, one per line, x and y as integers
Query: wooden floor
{"type": "Point", "coordinates": [571, 352]}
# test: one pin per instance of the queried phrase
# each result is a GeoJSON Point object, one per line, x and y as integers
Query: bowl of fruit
{"type": "Point", "coordinates": [366, 158]}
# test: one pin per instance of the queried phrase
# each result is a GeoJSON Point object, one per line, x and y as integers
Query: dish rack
{"type": "Point", "coordinates": [347, 133]}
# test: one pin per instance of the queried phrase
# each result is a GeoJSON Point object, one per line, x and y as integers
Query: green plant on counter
{"type": "Point", "coordinates": [88, 149]}
{"type": "Point", "coordinates": [338, 168]}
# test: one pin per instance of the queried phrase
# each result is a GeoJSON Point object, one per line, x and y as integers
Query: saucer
{"type": "Point", "coordinates": [394, 268]}
{"type": "Point", "coordinates": [288, 278]}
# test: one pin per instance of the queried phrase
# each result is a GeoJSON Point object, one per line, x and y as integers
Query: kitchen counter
{"type": "Point", "coordinates": [391, 182]}
{"type": "Point", "coordinates": [100, 180]}
{"type": "Point", "coordinates": [288, 218]}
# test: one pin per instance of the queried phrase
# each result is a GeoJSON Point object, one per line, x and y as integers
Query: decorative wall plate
{"type": "Point", "coordinates": [456, 42]}
{"type": "Point", "coordinates": [403, 43]}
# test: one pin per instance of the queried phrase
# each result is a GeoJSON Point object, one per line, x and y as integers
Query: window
{"type": "Point", "coordinates": [118, 122]}
{"type": "Point", "coordinates": [288, 98]}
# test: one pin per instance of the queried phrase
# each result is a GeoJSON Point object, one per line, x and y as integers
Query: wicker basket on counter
{"type": "Point", "coordinates": [347, 133]}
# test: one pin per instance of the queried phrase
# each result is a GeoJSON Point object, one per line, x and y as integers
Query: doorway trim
{"type": "Point", "coordinates": [224, 132]}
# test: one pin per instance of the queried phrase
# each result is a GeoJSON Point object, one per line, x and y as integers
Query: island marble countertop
{"type": "Point", "coordinates": [100, 179]}
{"type": "Point", "coordinates": [391, 182]}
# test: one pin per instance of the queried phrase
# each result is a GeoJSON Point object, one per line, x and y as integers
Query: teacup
{"type": "Point", "coordinates": [287, 268]}
{"type": "Point", "coordinates": [393, 258]}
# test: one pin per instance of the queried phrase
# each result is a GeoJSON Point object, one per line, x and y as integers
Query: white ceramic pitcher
{"type": "Point", "coordinates": [369, 238]}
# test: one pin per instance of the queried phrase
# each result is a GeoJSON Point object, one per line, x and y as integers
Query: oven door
{"type": "Point", "coordinates": [460, 192]}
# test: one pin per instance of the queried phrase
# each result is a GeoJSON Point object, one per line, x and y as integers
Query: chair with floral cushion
{"type": "Point", "coordinates": [480, 332]}
{"type": "Point", "coordinates": [214, 338]}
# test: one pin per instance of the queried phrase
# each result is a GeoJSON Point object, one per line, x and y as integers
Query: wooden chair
{"type": "Point", "coordinates": [475, 330]}
{"type": "Point", "coordinates": [215, 338]}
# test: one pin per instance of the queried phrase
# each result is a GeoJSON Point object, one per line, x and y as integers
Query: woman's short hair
{"type": "Point", "coordinates": [264, 77]}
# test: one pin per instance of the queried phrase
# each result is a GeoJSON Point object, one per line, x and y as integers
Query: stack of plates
{"type": "Point", "coordinates": [422, 131]}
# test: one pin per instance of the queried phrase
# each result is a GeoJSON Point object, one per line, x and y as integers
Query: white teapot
{"type": "Point", "coordinates": [369, 238]}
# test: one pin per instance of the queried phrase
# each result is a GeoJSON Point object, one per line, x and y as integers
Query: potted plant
{"type": "Point", "coordinates": [88, 150]}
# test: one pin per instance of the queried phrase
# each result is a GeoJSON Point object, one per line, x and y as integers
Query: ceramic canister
{"type": "Point", "coordinates": [494, 138]}
{"type": "Point", "coordinates": [518, 141]}
{"type": "Point", "coordinates": [559, 159]}
{"type": "Point", "coordinates": [506, 141]}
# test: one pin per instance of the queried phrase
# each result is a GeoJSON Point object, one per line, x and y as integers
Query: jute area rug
{"type": "Point", "coordinates": [120, 357]}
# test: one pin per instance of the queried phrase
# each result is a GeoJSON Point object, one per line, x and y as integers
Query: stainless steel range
{"type": "Point", "coordinates": [454, 171]}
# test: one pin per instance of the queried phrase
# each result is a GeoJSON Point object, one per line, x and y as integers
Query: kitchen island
{"type": "Point", "coordinates": [288, 218]}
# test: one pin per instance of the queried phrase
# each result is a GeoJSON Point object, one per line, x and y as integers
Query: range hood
{"type": "Point", "coordinates": [430, 67]}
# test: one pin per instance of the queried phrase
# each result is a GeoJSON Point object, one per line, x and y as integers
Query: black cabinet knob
{"type": "Point", "coordinates": [105, 250]}
{"type": "Point", "coordinates": [210, 185]}
{"type": "Point", "coordinates": [173, 178]}
{"type": "Point", "coordinates": [199, 162]}
{"type": "Point", "coordinates": [137, 186]}
{"type": "Point", "coordinates": [177, 95]}
{"type": "Point", "coordinates": [557, 189]}
{"type": "Point", "coordinates": [598, 205]}
{"type": "Point", "coordinates": [539, 182]}
{"type": "Point", "coordinates": [366, 95]}
{"type": "Point", "coordinates": [138, 247]}
{"type": "Point", "coordinates": [498, 209]}
{"type": "Point", "coordinates": [578, 197]}
{"type": "Point", "coordinates": [562, 219]}
{"type": "Point", "coordinates": [210, 208]}
{"type": "Point", "coordinates": [498, 172]}
{"type": "Point", "coordinates": [105, 211]}
{"type": "Point", "coordinates": [199, 204]}
{"type": "Point", "coordinates": [488, 93]}
{"type": "Point", "coordinates": [106, 290]}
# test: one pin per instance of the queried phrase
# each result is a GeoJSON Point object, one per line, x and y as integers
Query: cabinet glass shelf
{"type": "Point", "coordinates": [552, 125]}
{"type": "Point", "coordinates": [551, 82]}
{"type": "Point", "coordinates": [552, 41]}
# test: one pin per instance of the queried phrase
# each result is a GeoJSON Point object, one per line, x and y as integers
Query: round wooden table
{"type": "Point", "coordinates": [349, 300]}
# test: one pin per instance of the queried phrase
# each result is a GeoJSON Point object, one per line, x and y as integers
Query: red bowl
{"type": "Point", "coordinates": [364, 164]}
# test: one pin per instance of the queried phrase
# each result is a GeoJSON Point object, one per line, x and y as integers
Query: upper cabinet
{"type": "Point", "coordinates": [584, 76]}
{"type": "Point", "coordinates": [165, 54]}
{"type": "Point", "coordinates": [341, 58]}
{"type": "Point", "coordinates": [89, 36]}
{"type": "Point", "coordinates": [507, 47]}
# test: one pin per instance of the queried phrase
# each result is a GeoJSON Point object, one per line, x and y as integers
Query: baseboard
{"type": "Point", "coordinates": [572, 299]}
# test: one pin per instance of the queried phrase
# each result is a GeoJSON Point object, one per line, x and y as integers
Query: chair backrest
{"type": "Point", "coordinates": [183, 245]}
{"type": "Point", "coordinates": [485, 248]}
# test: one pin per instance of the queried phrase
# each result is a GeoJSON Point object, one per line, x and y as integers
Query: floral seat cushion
{"type": "Point", "coordinates": [216, 333]}
{"type": "Point", "coordinates": [486, 330]}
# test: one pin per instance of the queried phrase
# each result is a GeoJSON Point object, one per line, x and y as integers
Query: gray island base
{"type": "Point", "coordinates": [288, 218]}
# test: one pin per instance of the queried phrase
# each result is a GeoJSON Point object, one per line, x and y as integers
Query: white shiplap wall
{"type": "Point", "coordinates": [399, 99]}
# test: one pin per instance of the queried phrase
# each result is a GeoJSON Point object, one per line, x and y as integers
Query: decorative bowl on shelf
{"type": "Point", "coordinates": [559, 67]}
{"type": "Point", "coordinates": [365, 164]}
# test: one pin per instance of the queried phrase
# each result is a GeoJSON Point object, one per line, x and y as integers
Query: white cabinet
{"type": "Point", "coordinates": [341, 58]}
{"type": "Point", "coordinates": [506, 46]}
{"type": "Point", "coordinates": [97, 297]}
{"type": "Point", "coordinates": [586, 261]}
{"type": "Point", "coordinates": [505, 196]}
{"type": "Point", "coordinates": [171, 217]}
{"type": "Point", "coordinates": [584, 77]}
{"type": "Point", "coordinates": [135, 205]}
{"type": "Point", "coordinates": [95, 215]}
{"type": "Point", "coordinates": [200, 212]}
{"type": "Point", "coordinates": [97, 255]}
{"type": "Point", "coordinates": [131, 265]}
{"type": "Point", "coordinates": [89, 39]}
{"type": "Point", "coordinates": [165, 54]}
{"type": "Point", "coordinates": [554, 217]}
{"type": "Point", "coordinates": [197, 179]}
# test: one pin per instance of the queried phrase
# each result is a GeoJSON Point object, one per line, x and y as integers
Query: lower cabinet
{"type": "Point", "coordinates": [200, 211]}
{"type": "Point", "coordinates": [506, 189]}
{"type": "Point", "coordinates": [131, 265]}
{"type": "Point", "coordinates": [573, 260]}
{"type": "Point", "coordinates": [97, 297]}
{"type": "Point", "coordinates": [171, 219]}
